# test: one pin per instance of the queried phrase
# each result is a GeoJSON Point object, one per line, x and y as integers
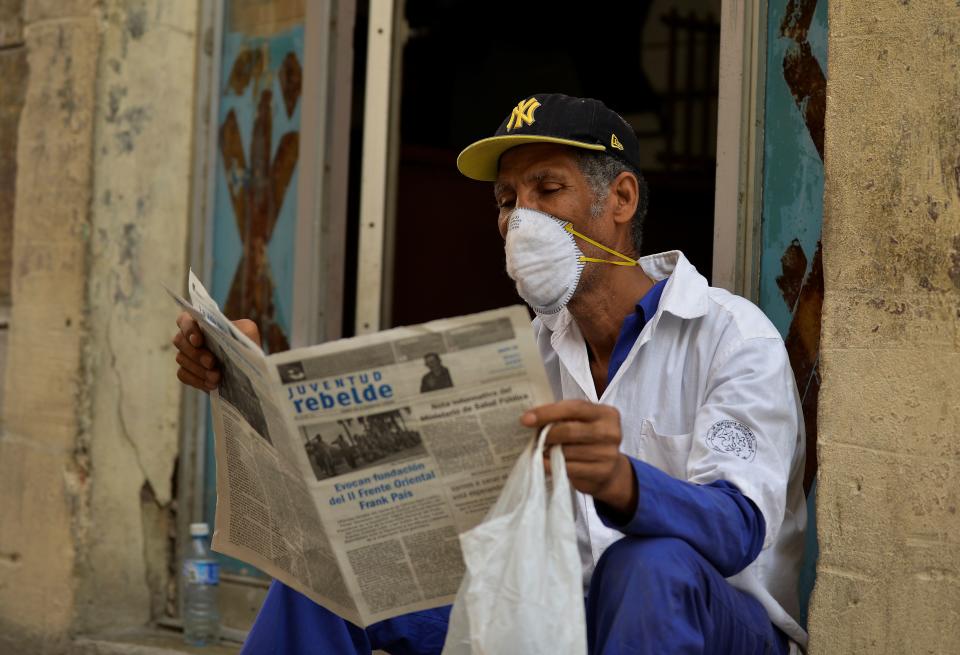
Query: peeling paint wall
{"type": "Point", "coordinates": [89, 435]}
{"type": "Point", "coordinates": [791, 275]}
{"type": "Point", "coordinates": [142, 155]}
{"type": "Point", "coordinates": [888, 578]}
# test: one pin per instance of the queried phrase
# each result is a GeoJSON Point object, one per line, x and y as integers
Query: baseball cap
{"type": "Point", "coordinates": [552, 118]}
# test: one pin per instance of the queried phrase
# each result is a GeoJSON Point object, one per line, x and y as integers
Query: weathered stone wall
{"type": "Point", "coordinates": [141, 204]}
{"type": "Point", "coordinates": [44, 463]}
{"type": "Point", "coordinates": [13, 83]}
{"type": "Point", "coordinates": [13, 73]}
{"type": "Point", "coordinates": [89, 431]}
{"type": "Point", "coordinates": [888, 579]}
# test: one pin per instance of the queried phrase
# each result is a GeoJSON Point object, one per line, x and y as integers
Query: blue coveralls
{"type": "Point", "coordinates": [659, 590]}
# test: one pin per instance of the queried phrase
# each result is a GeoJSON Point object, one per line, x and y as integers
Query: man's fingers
{"type": "Point", "coordinates": [190, 329]}
{"type": "Point", "coordinates": [565, 410]}
{"type": "Point", "coordinates": [189, 378]}
{"type": "Point", "coordinates": [191, 366]}
{"type": "Point", "coordinates": [208, 375]}
{"type": "Point", "coordinates": [249, 329]}
{"type": "Point", "coordinates": [570, 432]}
{"type": "Point", "coordinates": [595, 433]}
{"type": "Point", "coordinates": [583, 453]}
{"type": "Point", "coordinates": [588, 477]}
{"type": "Point", "coordinates": [584, 475]}
{"type": "Point", "coordinates": [200, 355]}
{"type": "Point", "coordinates": [579, 454]}
{"type": "Point", "coordinates": [186, 323]}
{"type": "Point", "coordinates": [198, 366]}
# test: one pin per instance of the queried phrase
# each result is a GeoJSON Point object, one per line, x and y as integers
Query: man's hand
{"type": "Point", "coordinates": [590, 437]}
{"type": "Point", "coordinates": [198, 367]}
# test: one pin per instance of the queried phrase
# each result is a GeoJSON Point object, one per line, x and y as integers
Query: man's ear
{"type": "Point", "coordinates": [624, 194]}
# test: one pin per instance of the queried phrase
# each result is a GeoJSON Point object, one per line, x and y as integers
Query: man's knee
{"type": "Point", "coordinates": [651, 563]}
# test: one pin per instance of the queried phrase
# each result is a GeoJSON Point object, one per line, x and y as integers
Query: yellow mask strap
{"type": "Point", "coordinates": [627, 261]}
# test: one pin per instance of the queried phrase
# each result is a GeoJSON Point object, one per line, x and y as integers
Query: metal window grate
{"type": "Point", "coordinates": [690, 101]}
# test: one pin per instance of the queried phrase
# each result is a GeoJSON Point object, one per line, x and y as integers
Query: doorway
{"type": "Point", "coordinates": [465, 65]}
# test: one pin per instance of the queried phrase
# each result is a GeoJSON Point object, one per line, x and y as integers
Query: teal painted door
{"type": "Point", "coordinates": [791, 275]}
{"type": "Point", "coordinates": [254, 210]}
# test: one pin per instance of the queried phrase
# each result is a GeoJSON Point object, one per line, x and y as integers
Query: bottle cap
{"type": "Point", "coordinates": [199, 529]}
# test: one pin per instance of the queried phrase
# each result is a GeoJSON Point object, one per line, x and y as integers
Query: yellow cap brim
{"type": "Point", "coordinates": [481, 160]}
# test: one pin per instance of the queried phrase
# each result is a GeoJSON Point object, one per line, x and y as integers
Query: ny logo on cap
{"type": "Point", "coordinates": [523, 113]}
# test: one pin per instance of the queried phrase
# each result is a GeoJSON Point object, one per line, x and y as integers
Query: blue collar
{"type": "Point", "coordinates": [632, 327]}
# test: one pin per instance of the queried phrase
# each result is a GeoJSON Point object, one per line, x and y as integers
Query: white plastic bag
{"type": "Point", "coordinates": [522, 592]}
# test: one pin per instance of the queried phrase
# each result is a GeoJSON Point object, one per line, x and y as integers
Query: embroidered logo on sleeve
{"type": "Point", "coordinates": [733, 438]}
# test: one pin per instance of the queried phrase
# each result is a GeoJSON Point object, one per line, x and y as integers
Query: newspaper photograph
{"type": "Point", "coordinates": [347, 470]}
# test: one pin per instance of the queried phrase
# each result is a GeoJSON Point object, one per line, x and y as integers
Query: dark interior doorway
{"type": "Point", "coordinates": [466, 64]}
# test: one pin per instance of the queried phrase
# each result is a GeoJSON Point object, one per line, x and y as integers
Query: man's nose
{"type": "Point", "coordinates": [528, 198]}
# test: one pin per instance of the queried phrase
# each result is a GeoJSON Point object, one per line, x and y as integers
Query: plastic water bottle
{"type": "Point", "coordinates": [201, 578]}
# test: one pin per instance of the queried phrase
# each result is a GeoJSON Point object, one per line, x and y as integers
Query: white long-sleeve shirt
{"type": "Point", "coordinates": [705, 394]}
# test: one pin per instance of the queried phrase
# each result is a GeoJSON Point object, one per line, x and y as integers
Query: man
{"type": "Point", "coordinates": [323, 457]}
{"type": "Point", "coordinates": [347, 450]}
{"type": "Point", "coordinates": [679, 419]}
{"type": "Point", "coordinates": [438, 375]}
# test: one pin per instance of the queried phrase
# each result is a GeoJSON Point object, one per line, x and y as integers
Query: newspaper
{"type": "Point", "coordinates": [347, 470]}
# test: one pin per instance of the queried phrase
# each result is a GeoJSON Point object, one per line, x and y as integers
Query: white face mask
{"type": "Point", "coordinates": [545, 261]}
